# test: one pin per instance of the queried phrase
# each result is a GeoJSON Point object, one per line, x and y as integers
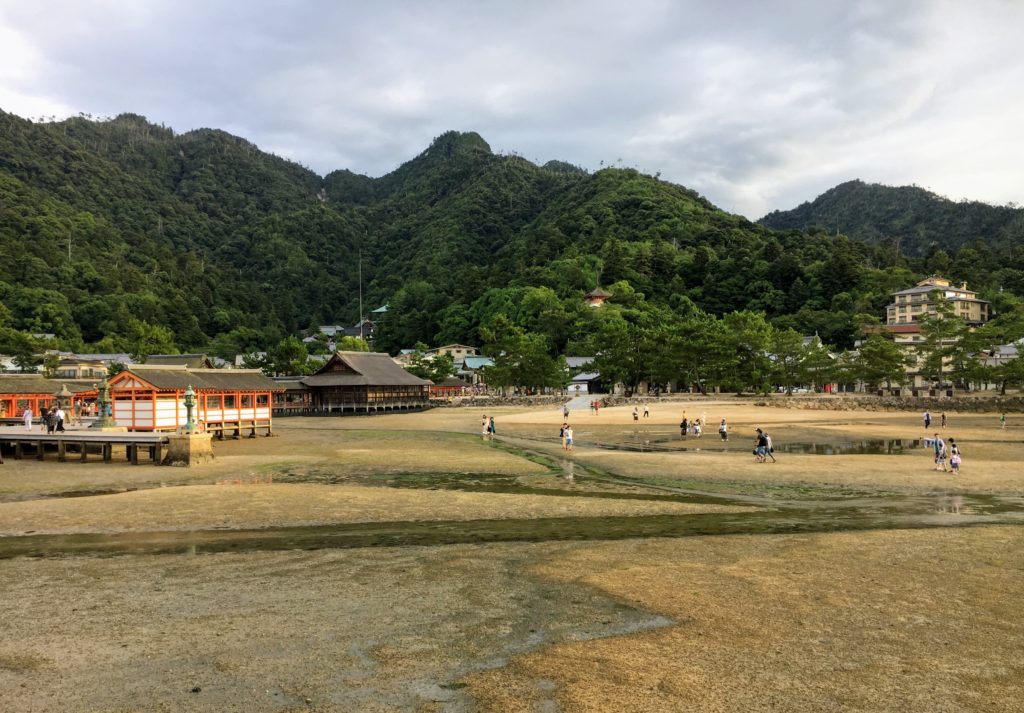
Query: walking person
{"type": "Point", "coordinates": [939, 447]}
{"type": "Point", "coordinates": [636, 415]}
{"type": "Point", "coordinates": [490, 429]}
{"type": "Point", "coordinates": [568, 437]}
{"type": "Point", "coordinates": [684, 428]}
{"type": "Point", "coordinates": [769, 447]}
{"type": "Point", "coordinates": [942, 419]}
{"type": "Point", "coordinates": [927, 420]}
{"type": "Point", "coordinates": [696, 428]}
{"type": "Point", "coordinates": [561, 433]}
{"type": "Point", "coordinates": [1002, 421]}
{"type": "Point", "coordinates": [484, 427]}
{"type": "Point", "coordinates": [43, 418]}
{"type": "Point", "coordinates": [760, 446]}
{"type": "Point", "coordinates": [954, 456]}
{"type": "Point", "coordinates": [50, 420]}
{"type": "Point", "coordinates": [723, 430]}
{"type": "Point", "coordinates": [58, 418]}
{"type": "Point", "coordinates": [647, 411]}
{"type": "Point", "coordinates": [565, 412]}
{"type": "Point", "coordinates": [26, 417]}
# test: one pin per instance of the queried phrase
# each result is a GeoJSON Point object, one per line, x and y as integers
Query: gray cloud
{"type": "Point", "coordinates": [756, 105]}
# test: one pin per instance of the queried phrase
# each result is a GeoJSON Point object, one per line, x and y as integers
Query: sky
{"type": "Point", "coordinates": [758, 105]}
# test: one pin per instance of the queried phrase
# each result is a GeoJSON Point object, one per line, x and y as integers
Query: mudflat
{"type": "Point", "coordinates": [590, 610]}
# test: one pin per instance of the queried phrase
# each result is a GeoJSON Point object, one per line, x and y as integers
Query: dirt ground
{"type": "Point", "coordinates": [909, 620]}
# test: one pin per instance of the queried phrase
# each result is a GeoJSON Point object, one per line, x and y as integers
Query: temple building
{"type": "Point", "coordinates": [365, 382]}
{"type": "Point", "coordinates": [148, 397]}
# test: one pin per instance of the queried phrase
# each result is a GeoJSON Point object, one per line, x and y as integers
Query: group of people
{"type": "Point", "coordinates": [763, 448]}
{"type": "Point", "coordinates": [565, 433]}
{"type": "Point", "coordinates": [595, 406]}
{"type": "Point", "coordinates": [927, 417]}
{"type": "Point", "coordinates": [51, 419]}
{"type": "Point", "coordinates": [487, 427]}
{"type": "Point", "coordinates": [694, 427]}
{"type": "Point", "coordinates": [942, 452]}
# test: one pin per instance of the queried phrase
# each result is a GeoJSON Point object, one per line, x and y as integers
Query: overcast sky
{"type": "Point", "coordinates": [756, 104]}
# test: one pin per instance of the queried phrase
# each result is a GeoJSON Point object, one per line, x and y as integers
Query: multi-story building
{"type": "Point", "coordinates": [910, 305]}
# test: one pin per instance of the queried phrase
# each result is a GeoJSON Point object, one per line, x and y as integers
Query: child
{"type": "Point", "coordinates": [954, 456]}
{"type": "Point", "coordinates": [696, 428]}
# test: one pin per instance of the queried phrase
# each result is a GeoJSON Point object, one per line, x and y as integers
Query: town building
{"type": "Point", "coordinates": [902, 316]}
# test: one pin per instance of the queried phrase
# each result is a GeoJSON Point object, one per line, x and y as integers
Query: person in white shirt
{"type": "Point", "coordinates": [59, 418]}
{"type": "Point", "coordinates": [27, 416]}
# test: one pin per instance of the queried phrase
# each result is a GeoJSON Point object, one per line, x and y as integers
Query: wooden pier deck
{"type": "Point", "coordinates": [81, 442]}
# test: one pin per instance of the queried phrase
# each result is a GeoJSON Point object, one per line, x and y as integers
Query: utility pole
{"type": "Point", "coordinates": [361, 292]}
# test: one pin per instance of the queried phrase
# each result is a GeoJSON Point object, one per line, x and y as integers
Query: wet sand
{"type": "Point", "coordinates": [909, 620]}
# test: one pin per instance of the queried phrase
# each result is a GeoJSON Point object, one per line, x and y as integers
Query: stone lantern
{"type": "Point", "coordinates": [105, 419]}
{"type": "Point", "coordinates": [63, 396]}
{"type": "Point", "coordinates": [190, 405]}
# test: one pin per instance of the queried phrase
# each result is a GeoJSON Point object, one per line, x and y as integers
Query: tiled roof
{"type": "Point", "coordinates": [37, 384]}
{"type": "Point", "coordinates": [169, 378]}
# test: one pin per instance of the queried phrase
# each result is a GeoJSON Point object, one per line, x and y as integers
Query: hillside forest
{"type": "Point", "coordinates": [120, 235]}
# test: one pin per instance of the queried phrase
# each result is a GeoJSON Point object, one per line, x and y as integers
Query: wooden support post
{"type": "Point", "coordinates": [39, 450]}
{"type": "Point", "coordinates": [19, 451]}
{"type": "Point", "coordinates": [61, 450]}
{"type": "Point", "coordinates": [85, 451]}
{"type": "Point", "coordinates": [158, 450]}
{"type": "Point", "coordinates": [108, 452]}
{"type": "Point", "coordinates": [135, 454]}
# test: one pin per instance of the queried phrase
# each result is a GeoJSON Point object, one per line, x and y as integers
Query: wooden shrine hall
{"type": "Point", "coordinates": [365, 382]}
{"type": "Point", "coordinates": [152, 398]}
{"type": "Point", "coordinates": [33, 391]}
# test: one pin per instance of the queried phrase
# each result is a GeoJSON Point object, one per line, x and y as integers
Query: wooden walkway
{"type": "Point", "coordinates": [80, 443]}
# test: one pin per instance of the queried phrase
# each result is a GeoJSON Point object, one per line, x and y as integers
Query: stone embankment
{"type": "Point", "coordinates": [977, 404]}
{"type": "Point", "coordinates": [829, 402]}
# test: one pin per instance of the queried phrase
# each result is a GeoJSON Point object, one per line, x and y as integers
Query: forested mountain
{"type": "Point", "coordinates": [912, 220]}
{"type": "Point", "coordinates": [120, 232]}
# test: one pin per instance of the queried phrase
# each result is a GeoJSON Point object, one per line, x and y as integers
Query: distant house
{"type": "Point", "coordinates": [471, 369]}
{"type": "Point", "coordinates": [458, 352]}
{"type": "Point", "coordinates": [88, 366]}
{"type": "Point", "coordinates": [189, 361]}
{"type": "Point", "coordinates": [364, 382]}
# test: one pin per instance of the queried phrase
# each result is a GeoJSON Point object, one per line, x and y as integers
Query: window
{"type": "Point", "coordinates": [213, 402]}
{"type": "Point", "coordinates": [229, 401]}
{"type": "Point", "coordinates": [261, 399]}
{"type": "Point", "coordinates": [246, 400]}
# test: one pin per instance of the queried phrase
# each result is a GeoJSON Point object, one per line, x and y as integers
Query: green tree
{"type": "Point", "coordinates": [289, 358]}
{"type": "Point", "coordinates": [433, 367]}
{"type": "Point", "coordinates": [143, 339]}
{"type": "Point", "coordinates": [940, 332]}
{"type": "Point", "coordinates": [352, 344]}
{"type": "Point", "coordinates": [879, 360]}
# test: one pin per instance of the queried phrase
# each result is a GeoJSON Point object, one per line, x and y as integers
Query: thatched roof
{"type": "Point", "coordinates": [362, 369]}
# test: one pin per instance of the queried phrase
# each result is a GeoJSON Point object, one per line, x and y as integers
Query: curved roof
{"type": "Point", "coordinates": [362, 369]}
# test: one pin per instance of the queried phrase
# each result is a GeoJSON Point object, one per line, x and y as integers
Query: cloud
{"type": "Point", "coordinates": [756, 105]}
